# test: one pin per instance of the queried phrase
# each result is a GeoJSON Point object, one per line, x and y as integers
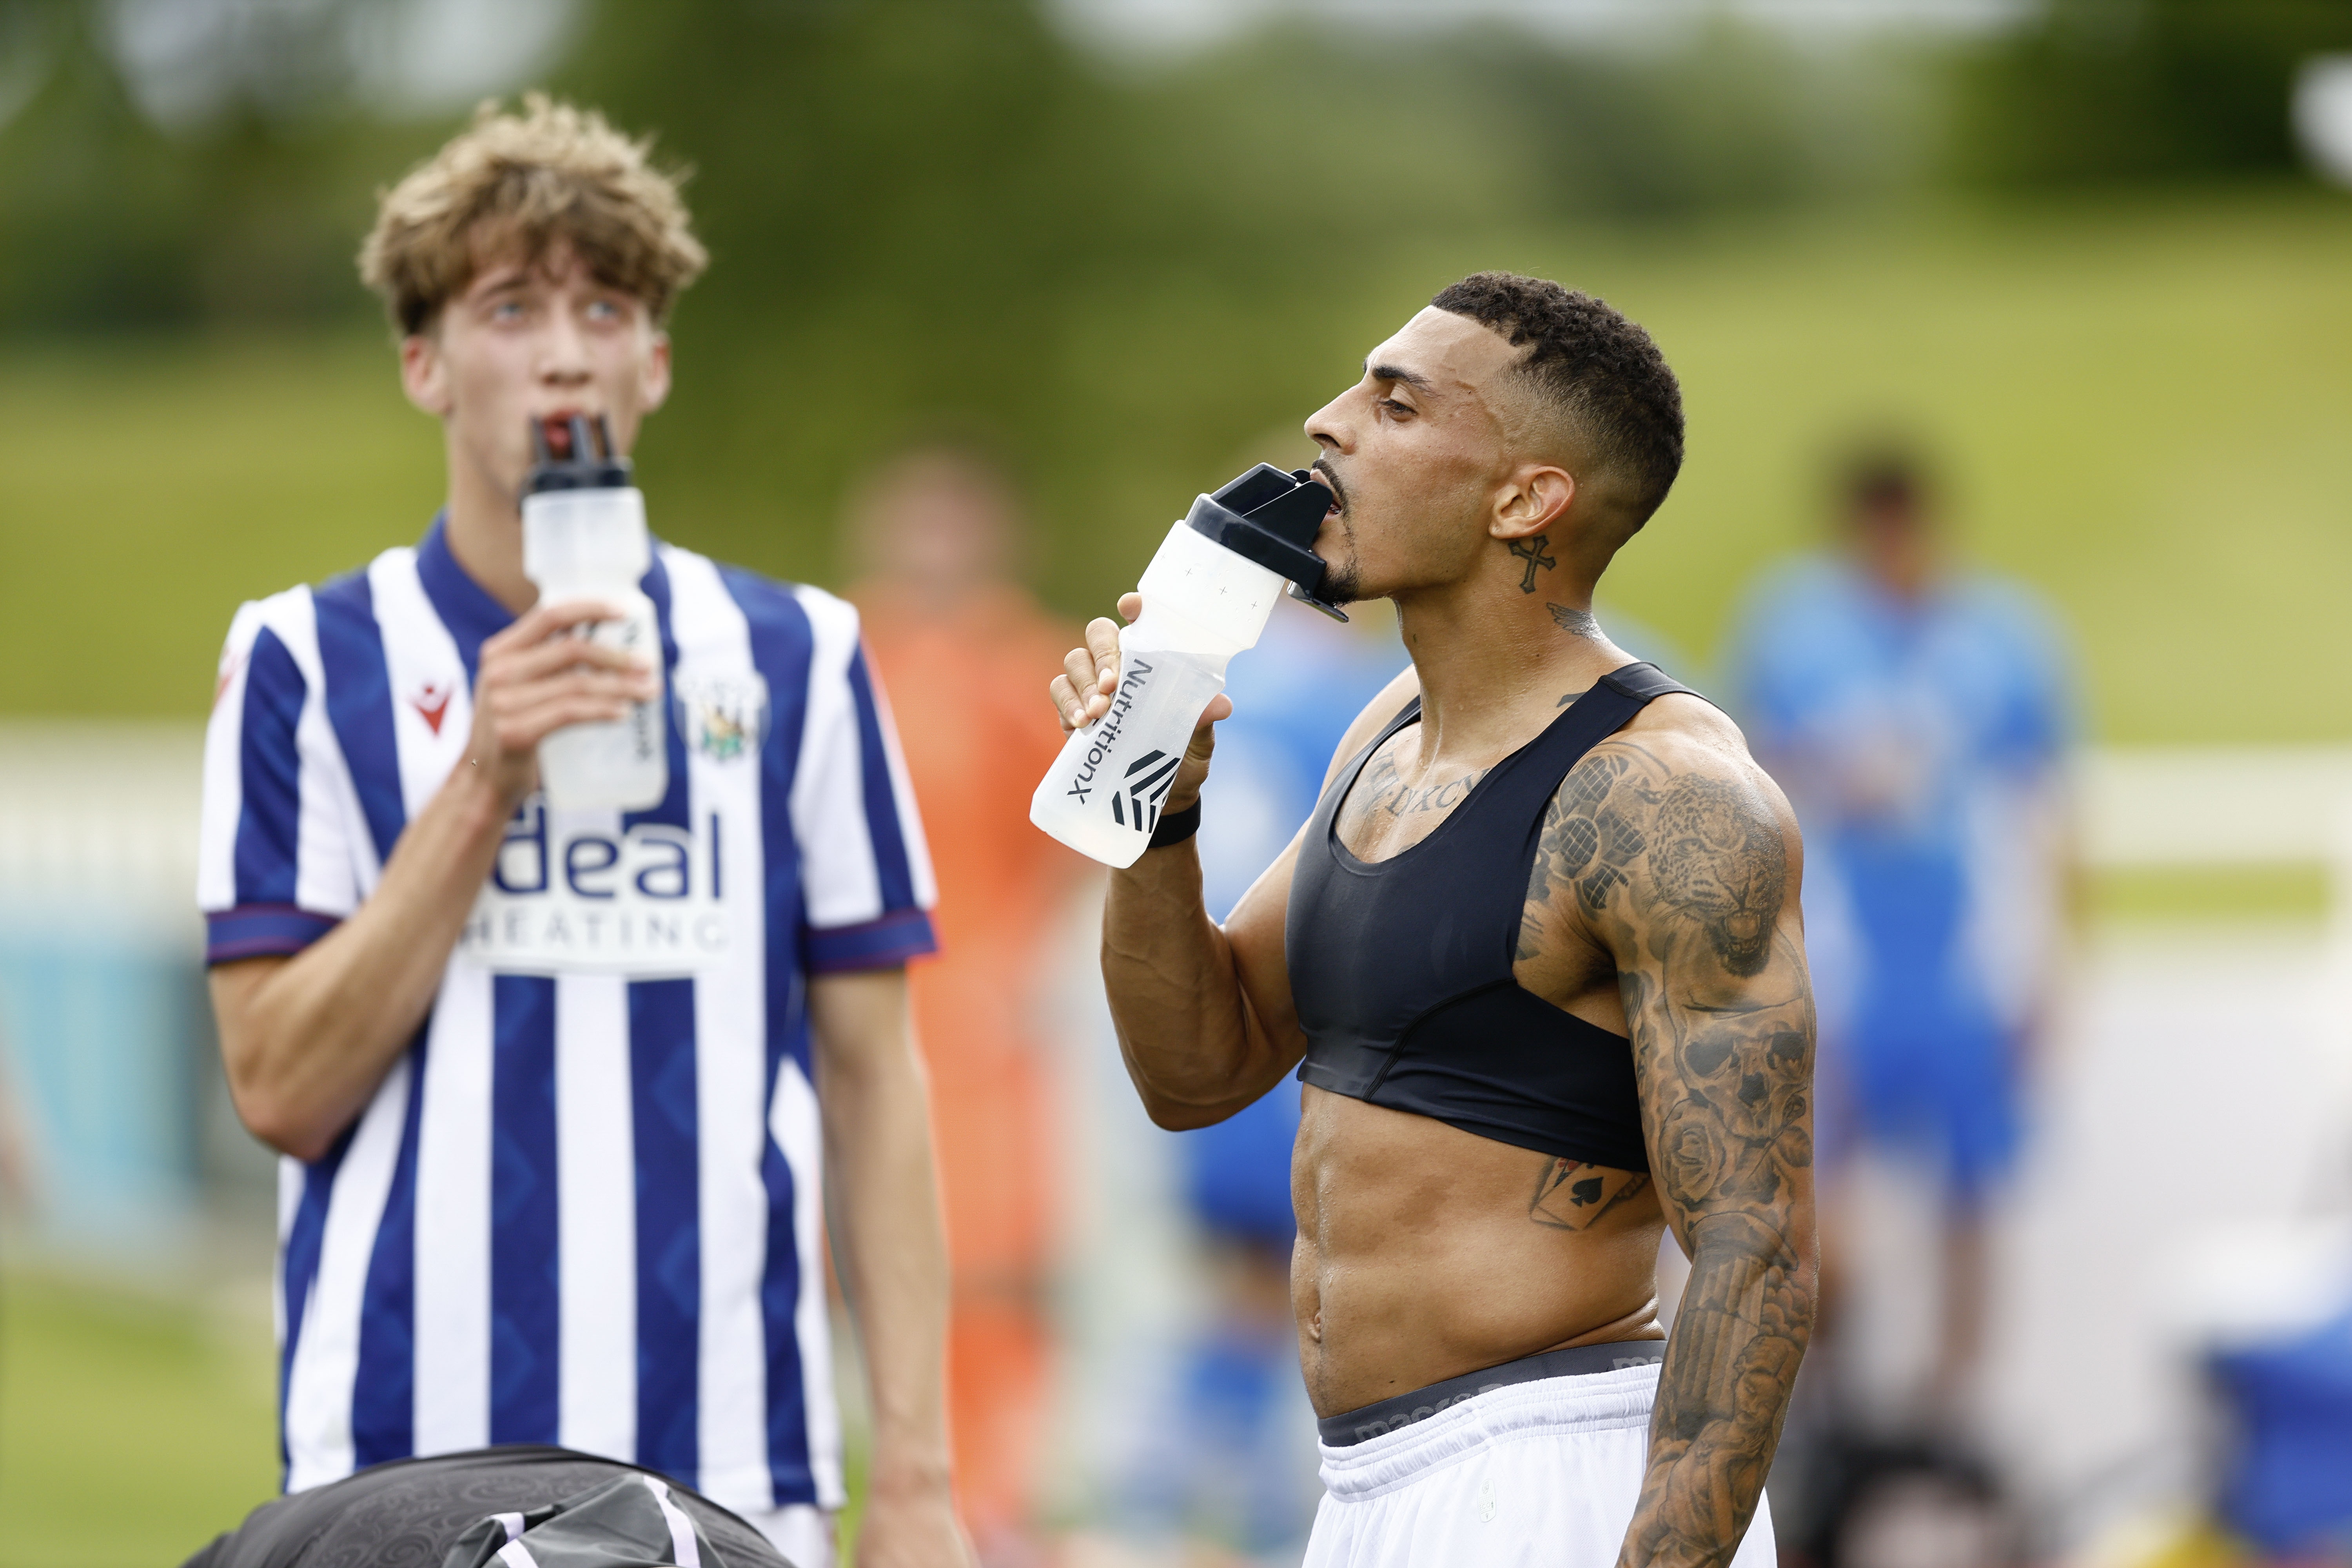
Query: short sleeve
{"type": "Point", "coordinates": [865, 873]}
{"type": "Point", "coordinates": [273, 869]}
{"type": "Point", "coordinates": [2036, 723]}
{"type": "Point", "coordinates": [1768, 638]}
{"type": "Point", "coordinates": [2050, 701]}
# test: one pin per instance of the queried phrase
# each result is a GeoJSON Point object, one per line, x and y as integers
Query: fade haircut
{"type": "Point", "coordinates": [1597, 369]}
{"type": "Point", "coordinates": [516, 186]}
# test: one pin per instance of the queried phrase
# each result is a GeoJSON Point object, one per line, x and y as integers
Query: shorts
{"type": "Point", "coordinates": [1944, 1095]}
{"type": "Point", "coordinates": [1531, 1473]}
{"type": "Point", "coordinates": [804, 1534]}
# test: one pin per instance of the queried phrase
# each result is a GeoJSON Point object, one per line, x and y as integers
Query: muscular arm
{"type": "Point", "coordinates": [1676, 856]}
{"type": "Point", "coordinates": [306, 1039]}
{"type": "Point", "coordinates": [1203, 1012]}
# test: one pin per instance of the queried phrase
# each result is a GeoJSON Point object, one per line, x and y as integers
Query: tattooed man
{"type": "Point", "coordinates": [1538, 961]}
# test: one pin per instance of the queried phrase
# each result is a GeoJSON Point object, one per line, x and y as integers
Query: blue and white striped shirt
{"type": "Point", "coordinates": [584, 1206]}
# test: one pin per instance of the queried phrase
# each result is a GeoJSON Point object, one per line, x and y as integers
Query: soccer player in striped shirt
{"type": "Point", "coordinates": [556, 1089]}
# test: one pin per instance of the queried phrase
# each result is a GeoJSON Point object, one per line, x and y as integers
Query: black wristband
{"type": "Point", "coordinates": [1175, 827]}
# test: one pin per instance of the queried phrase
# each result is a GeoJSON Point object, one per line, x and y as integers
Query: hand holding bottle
{"type": "Point", "coordinates": [538, 676]}
{"type": "Point", "coordinates": [1138, 702]}
{"type": "Point", "coordinates": [585, 543]}
{"type": "Point", "coordinates": [1082, 693]}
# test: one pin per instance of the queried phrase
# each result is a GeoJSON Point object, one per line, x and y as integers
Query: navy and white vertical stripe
{"type": "Point", "coordinates": [584, 1206]}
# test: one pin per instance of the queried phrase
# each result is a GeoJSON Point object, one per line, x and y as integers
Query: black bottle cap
{"type": "Point", "coordinates": [590, 465]}
{"type": "Point", "coordinates": [1272, 518]}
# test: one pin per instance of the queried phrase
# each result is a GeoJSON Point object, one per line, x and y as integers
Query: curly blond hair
{"type": "Point", "coordinates": [513, 187]}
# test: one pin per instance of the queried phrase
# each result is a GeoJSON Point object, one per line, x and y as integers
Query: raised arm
{"type": "Point", "coordinates": [1203, 1012]}
{"type": "Point", "coordinates": [1680, 857]}
{"type": "Point", "coordinates": [305, 1038]}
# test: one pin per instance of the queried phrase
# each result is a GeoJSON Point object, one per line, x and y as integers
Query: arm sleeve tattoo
{"type": "Point", "coordinates": [1682, 874]}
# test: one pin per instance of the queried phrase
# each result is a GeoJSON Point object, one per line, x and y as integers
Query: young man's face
{"type": "Point", "coordinates": [533, 343]}
{"type": "Point", "coordinates": [1413, 453]}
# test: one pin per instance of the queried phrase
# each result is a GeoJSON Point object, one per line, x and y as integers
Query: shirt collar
{"type": "Point", "coordinates": [473, 616]}
{"type": "Point", "coordinates": [465, 606]}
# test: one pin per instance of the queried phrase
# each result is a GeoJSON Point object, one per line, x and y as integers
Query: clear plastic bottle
{"type": "Point", "coordinates": [1206, 597]}
{"type": "Point", "coordinates": [584, 537]}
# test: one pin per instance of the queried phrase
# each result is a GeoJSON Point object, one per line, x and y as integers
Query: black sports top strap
{"type": "Point", "coordinates": [1401, 970]}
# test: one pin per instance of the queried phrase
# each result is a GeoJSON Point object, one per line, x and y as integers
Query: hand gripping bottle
{"type": "Point", "coordinates": [584, 537]}
{"type": "Point", "coordinates": [1206, 596]}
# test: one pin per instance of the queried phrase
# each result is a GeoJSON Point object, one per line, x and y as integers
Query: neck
{"type": "Point", "coordinates": [1492, 659]}
{"type": "Point", "coordinates": [485, 533]}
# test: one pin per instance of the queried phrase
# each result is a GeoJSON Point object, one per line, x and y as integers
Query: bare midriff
{"type": "Point", "coordinates": [1419, 1256]}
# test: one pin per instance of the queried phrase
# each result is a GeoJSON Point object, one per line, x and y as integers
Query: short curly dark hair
{"type": "Point", "coordinates": [1599, 369]}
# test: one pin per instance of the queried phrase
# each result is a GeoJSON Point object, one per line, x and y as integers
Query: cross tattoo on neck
{"type": "Point", "coordinates": [1536, 553]}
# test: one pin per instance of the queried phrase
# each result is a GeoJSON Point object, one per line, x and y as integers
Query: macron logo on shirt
{"type": "Point", "coordinates": [432, 704]}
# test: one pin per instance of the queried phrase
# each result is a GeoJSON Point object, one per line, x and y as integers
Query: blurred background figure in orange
{"type": "Point", "coordinates": [1920, 714]}
{"type": "Point", "coordinates": [933, 536]}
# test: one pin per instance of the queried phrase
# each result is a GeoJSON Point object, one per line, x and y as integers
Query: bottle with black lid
{"type": "Point", "coordinates": [584, 537]}
{"type": "Point", "coordinates": [1206, 597]}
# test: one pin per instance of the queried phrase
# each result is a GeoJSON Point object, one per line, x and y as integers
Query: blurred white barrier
{"type": "Point", "coordinates": [102, 1023]}
{"type": "Point", "coordinates": [2210, 807]}
{"type": "Point", "coordinates": [105, 813]}
{"type": "Point", "coordinates": [2213, 805]}
{"type": "Point", "coordinates": [99, 820]}
{"type": "Point", "coordinates": [2222, 807]}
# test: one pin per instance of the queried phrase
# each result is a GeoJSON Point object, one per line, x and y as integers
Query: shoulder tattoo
{"type": "Point", "coordinates": [1708, 850]}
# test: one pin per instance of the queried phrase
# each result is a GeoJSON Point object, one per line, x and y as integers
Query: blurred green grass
{"type": "Point", "coordinates": [2142, 407]}
{"type": "Point", "coordinates": [2132, 896]}
{"type": "Point", "coordinates": [133, 1428]}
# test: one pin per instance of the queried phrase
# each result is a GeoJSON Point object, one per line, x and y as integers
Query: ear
{"type": "Point", "coordinates": [656, 384]}
{"type": "Point", "coordinates": [425, 375]}
{"type": "Point", "coordinates": [1531, 500]}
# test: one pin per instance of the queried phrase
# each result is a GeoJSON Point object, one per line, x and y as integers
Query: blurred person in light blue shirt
{"type": "Point", "coordinates": [1919, 716]}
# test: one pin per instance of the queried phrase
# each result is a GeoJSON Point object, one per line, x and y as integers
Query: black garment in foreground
{"type": "Point", "coordinates": [1401, 970]}
{"type": "Point", "coordinates": [409, 1513]}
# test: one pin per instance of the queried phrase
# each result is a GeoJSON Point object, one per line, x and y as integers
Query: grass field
{"type": "Point", "coordinates": [132, 1429]}
{"type": "Point", "coordinates": [2143, 408]}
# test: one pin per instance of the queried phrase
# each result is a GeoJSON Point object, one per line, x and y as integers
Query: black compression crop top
{"type": "Point", "coordinates": [1401, 970]}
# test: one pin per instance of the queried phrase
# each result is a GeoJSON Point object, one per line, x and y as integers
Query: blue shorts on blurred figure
{"type": "Point", "coordinates": [1922, 1063]}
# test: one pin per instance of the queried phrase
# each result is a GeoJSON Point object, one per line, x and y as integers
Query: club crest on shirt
{"type": "Point", "coordinates": [723, 717]}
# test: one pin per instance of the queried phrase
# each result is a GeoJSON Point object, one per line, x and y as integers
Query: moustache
{"type": "Point", "coordinates": [1338, 491]}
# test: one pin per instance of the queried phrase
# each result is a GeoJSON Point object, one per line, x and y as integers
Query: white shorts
{"type": "Point", "coordinates": [803, 1533]}
{"type": "Point", "coordinates": [1535, 1473]}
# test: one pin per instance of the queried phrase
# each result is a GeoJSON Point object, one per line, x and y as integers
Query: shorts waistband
{"type": "Point", "coordinates": [1352, 1426]}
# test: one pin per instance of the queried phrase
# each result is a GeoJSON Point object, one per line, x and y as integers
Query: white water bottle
{"type": "Point", "coordinates": [584, 537]}
{"type": "Point", "coordinates": [1206, 596]}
